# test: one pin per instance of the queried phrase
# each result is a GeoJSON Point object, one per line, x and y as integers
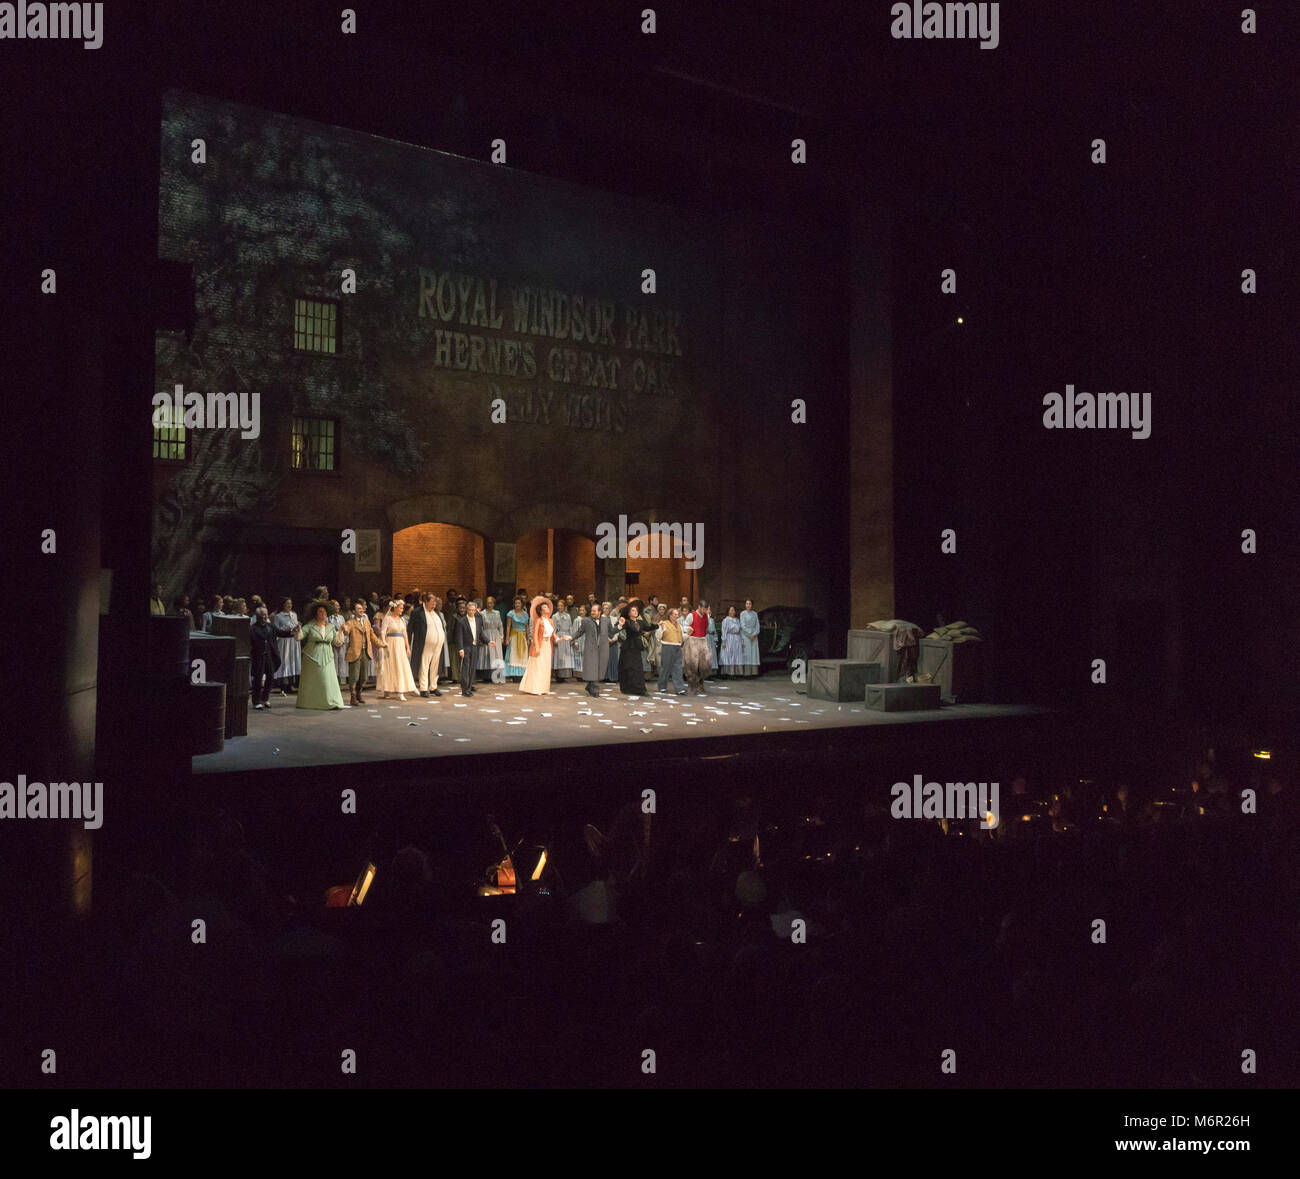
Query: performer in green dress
{"type": "Point", "coordinates": [318, 685]}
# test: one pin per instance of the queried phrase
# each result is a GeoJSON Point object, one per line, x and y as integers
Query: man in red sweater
{"type": "Point", "coordinates": [696, 656]}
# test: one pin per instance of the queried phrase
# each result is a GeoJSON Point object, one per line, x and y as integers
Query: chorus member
{"type": "Point", "coordinates": [563, 661]}
{"type": "Point", "coordinates": [156, 605]}
{"type": "Point", "coordinates": [337, 620]}
{"type": "Point", "coordinates": [537, 671]}
{"type": "Point", "coordinates": [752, 662]}
{"type": "Point", "coordinates": [359, 651]}
{"type": "Point", "coordinates": [428, 635]}
{"type": "Point", "coordinates": [517, 642]}
{"type": "Point", "coordinates": [713, 636]}
{"type": "Point", "coordinates": [263, 658]}
{"type": "Point", "coordinates": [288, 636]}
{"type": "Point", "coordinates": [448, 613]}
{"type": "Point", "coordinates": [205, 614]}
{"type": "Point", "coordinates": [492, 661]}
{"type": "Point", "coordinates": [381, 651]}
{"type": "Point", "coordinates": [670, 652]}
{"type": "Point", "coordinates": [696, 659]}
{"type": "Point", "coordinates": [580, 613]}
{"type": "Point", "coordinates": [461, 610]}
{"type": "Point", "coordinates": [733, 646]}
{"type": "Point", "coordinates": [451, 612]}
{"type": "Point", "coordinates": [181, 606]}
{"type": "Point", "coordinates": [319, 687]}
{"type": "Point", "coordinates": [395, 678]}
{"type": "Point", "coordinates": [607, 620]}
{"type": "Point", "coordinates": [654, 615]}
{"type": "Point", "coordinates": [469, 639]}
{"type": "Point", "coordinates": [617, 616]}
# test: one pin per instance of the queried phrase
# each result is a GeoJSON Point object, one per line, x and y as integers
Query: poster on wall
{"type": "Point", "coordinates": [503, 563]}
{"type": "Point", "coordinates": [367, 558]}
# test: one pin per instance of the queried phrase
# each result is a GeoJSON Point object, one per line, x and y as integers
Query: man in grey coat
{"type": "Point", "coordinates": [595, 652]}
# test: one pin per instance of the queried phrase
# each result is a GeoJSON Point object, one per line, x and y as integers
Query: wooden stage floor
{"type": "Point", "coordinates": [498, 719]}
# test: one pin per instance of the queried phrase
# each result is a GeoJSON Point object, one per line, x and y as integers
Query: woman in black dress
{"type": "Point", "coordinates": [631, 671]}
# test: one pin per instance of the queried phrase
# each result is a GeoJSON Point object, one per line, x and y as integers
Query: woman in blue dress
{"type": "Point", "coordinates": [733, 646]}
{"type": "Point", "coordinates": [752, 663]}
{"type": "Point", "coordinates": [517, 641]}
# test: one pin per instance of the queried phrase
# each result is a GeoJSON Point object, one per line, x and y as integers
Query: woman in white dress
{"type": "Point", "coordinates": [537, 671]}
{"type": "Point", "coordinates": [396, 679]}
{"type": "Point", "coordinates": [336, 620]}
{"type": "Point", "coordinates": [288, 638]}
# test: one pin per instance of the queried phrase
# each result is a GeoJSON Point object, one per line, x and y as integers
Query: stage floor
{"type": "Point", "coordinates": [500, 719]}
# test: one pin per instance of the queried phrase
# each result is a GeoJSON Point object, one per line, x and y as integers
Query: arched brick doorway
{"type": "Point", "coordinates": [657, 565]}
{"type": "Point", "coordinates": [558, 559]}
{"type": "Point", "coordinates": [433, 556]}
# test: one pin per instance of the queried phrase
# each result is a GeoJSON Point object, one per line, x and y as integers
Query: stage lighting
{"type": "Point", "coordinates": [541, 866]}
{"type": "Point", "coordinates": [1263, 754]}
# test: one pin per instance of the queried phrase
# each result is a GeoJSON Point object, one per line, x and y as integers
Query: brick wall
{"type": "Point", "coordinates": [575, 564]}
{"type": "Point", "coordinates": [435, 556]}
{"type": "Point", "coordinates": [530, 562]}
{"type": "Point", "coordinates": [666, 577]}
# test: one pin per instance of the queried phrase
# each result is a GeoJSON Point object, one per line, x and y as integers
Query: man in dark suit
{"type": "Point", "coordinates": [468, 637]}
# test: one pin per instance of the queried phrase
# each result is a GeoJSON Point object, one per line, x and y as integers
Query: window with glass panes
{"type": "Point", "coordinates": [170, 439]}
{"type": "Point", "coordinates": [315, 325]}
{"type": "Point", "coordinates": [313, 444]}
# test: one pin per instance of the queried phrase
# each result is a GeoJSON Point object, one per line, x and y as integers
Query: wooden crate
{"type": "Point", "coordinates": [205, 721]}
{"type": "Point", "coordinates": [903, 697]}
{"type": "Point", "coordinates": [875, 646]}
{"type": "Point", "coordinates": [237, 715]}
{"type": "Point", "coordinates": [958, 669]}
{"type": "Point", "coordinates": [218, 655]}
{"type": "Point", "coordinates": [232, 627]}
{"type": "Point", "coordinates": [840, 679]}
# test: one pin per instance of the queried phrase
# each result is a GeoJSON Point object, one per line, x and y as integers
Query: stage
{"type": "Point", "coordinates": [498, 719]}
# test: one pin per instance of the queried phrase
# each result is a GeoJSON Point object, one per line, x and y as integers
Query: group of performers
{"type": "Point", "coordinates": [408, 654]}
